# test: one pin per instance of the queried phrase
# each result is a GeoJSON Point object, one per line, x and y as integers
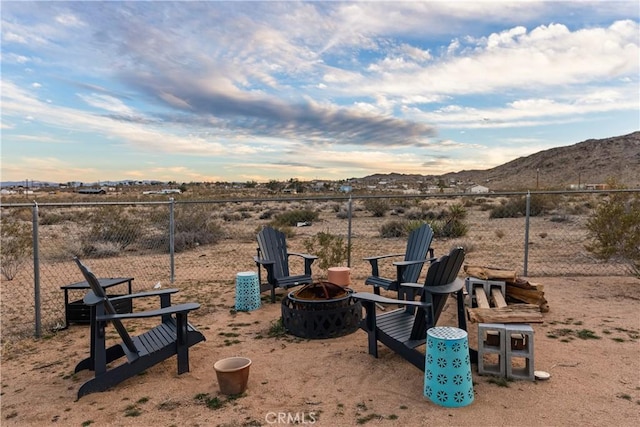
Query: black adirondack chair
{"type": "Point", "coordinates": [173, 336]}
{"type": "Point", "coordinates": [274, 258]}
{"type": "Point", "coordinates": [408, 270]}
{"type": "Point", "coordinates": [405, 329]}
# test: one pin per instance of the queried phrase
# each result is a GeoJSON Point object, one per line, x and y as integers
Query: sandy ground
{"type": "Point", "coordinates": [335, 382]}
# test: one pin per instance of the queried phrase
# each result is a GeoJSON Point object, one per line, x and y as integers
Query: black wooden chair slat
{"type": "Point", "coordinates": [142, 351]}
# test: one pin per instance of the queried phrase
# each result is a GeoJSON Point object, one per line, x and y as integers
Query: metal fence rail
{"type": "Point", "coordinates": [195, 243]}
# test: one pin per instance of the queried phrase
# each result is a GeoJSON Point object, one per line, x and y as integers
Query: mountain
{"type": "Point", "coordinates": [593, 161]}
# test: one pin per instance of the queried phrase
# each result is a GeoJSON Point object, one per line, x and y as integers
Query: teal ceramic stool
{"type": "Point", "coordinates": [447, 374]}
{"type": "Point", "coordinates": [247, 291]}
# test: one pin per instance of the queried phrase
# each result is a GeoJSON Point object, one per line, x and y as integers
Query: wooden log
{"type": "Point", "coordinates": [514, 313]}
{"type": "Point", "coordinates": [498, 298]}
{"type": "Point", "coordinates": [530, 296]}
{"type": "Point", "coordinates": [481, 297]}
{"type": "Point", "coordinates": [487, 273]}
{"type": "Point", "coordinates": [524, 284]}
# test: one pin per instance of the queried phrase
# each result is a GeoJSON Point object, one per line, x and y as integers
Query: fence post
{"type": "Point", "coordinates": [171, 239]}
{"type": "Point", "coordinates": [36, 271]}
{"type": "Point", "coordinates": [526, 233]}
{"type": "Point", "coordinates": [349, 210]}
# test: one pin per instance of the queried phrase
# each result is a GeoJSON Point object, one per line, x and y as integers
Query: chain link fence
{"type": "Point", "coordinates": [212, 240]}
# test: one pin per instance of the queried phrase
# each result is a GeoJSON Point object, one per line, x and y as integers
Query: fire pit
{"type": "Point", "coordinates": [321, 310]}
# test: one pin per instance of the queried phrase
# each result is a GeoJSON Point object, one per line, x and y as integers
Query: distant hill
{"type": "Point", "coordinates": [589, 162]}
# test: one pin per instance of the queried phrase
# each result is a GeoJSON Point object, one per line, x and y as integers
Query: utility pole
{"type": "Point", "coordinates": [537, 178]}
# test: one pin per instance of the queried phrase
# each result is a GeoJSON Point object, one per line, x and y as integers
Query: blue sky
{"type": "Point", "coordinates": [240, 91]}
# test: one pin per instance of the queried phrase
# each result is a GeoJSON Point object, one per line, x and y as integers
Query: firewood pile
{"type": "Point", "coordinates": [523, 302]}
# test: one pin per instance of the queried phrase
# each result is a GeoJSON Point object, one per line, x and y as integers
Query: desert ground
{"type": "Point", "coordinates": [589, 342]}
{"type": "Point", "coordinates": [335, 382]}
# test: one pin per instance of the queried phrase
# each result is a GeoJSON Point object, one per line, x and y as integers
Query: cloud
{"type": "Point", "coordinates": [312, 87]}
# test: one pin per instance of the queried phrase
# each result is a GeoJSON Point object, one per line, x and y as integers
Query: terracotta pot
{"type": "Point", "coordinates": [232, 374]}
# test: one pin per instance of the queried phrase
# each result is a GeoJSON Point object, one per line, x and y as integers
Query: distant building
{"type": "Point", "coordinates": [92, 191]}
{"type": "Point", "coordinates": [478, 189]}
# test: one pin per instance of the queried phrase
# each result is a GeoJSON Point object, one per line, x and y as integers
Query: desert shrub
{"type": "Point", "coordinates": [113, 224]}
{"type": "Point", "coordinates": [292, 218]}
{"type": "Point", "coordinates": [614, 229]}
{"type": "Point", "coordinates": [394, 228]}
{"type": "Point", "coordinates": [451, 223]}
{"type": "Point", "coordinates": [16, 240]}
{"type": "Point", "coordinates": [22, 214]}
{"type": "Point", "coordinates": [194, 227]}
{"type": "Point", "coordinates": [416, 213]}
{"type": "Point", "coordinates": [377, 207]}
{"type": "Point", "coordinates": [330, 249]}
{"type": "Point", "coordinates": [344, 214]}
{"type": "Point", "coordinates": [560, 218]}
{"type": "Point", "coordinates": [232, 216]}
{"type": "Point", "coordinates": [578, 209]}
{"type": "Point", "coordinates": [50, 218]}
{"type": "Point", "coordinates": [266, 214]}
{"type": "Point", "coordinates": [517, 207]}
{"type": "Point", "coordinates": [100, 249]}
{"type": "Point", "coordinates": [413, 225]}
{"type": "Point", "coordinates": [53, 217]}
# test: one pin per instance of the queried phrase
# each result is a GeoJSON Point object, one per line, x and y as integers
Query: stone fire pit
{"type": "Point", "coordinates": [321, 310]}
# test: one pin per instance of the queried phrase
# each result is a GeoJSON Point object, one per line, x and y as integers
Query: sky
{"type": "Point", "coordinates": [240, 91]}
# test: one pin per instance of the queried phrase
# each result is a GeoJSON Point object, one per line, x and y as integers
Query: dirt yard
{"type": "Point", "coordinates": [589, 343]}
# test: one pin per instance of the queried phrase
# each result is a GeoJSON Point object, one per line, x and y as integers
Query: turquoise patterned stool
{"type": "Point", "coordinates": [247, 291]}
{"type": "Point", "coordinates": [447, 373]}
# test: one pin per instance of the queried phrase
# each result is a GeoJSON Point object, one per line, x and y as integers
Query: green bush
{"type": "Point", "coordinates": [517, 207]}
{"type": "Point", "coordinates": [114, 225]}
{"type": "Point", "coordinates": [614, 229]}
{"type": "Point", "coordinates": [15, 239]}
{"type": "Point", "coordinates": [451, 222]}
{"type": "Point", "coordinates": [194, 227]}
{"type": "Point", "coordinates": [330, 249]}
{"type": "Point", "coordinates": [377, 207]}
{"type": "Point", "coordinates": [396, 228]}
{"type": "Point", "coordinates": [292, 218]}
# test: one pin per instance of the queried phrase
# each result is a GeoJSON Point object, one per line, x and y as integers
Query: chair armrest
{"type": "Point", "coordinates": [449, 288]}
{"type": "Point", "coordinates": [418, 261]}
{"type": "Point", "coordinates": [367, 296]}
{"type": "Point", "coordinates": [262, 261]}
{"type": "Point", "coordinates": [91, 299]}
{"type": "Point", "coordinates": [308, 260]}
{"type": "Point", "coordinates": [373, 260]}
{"type": "Point", "coordinates": [370, 258]}
{"type": "Point", "coordinates": [412, 285]}
{"type": "Point", "coordinates": [305, 256]}
{"type": "Point", "coordinates": [180, 308]}
{"type": "Point", "coordinates": [154, 293]}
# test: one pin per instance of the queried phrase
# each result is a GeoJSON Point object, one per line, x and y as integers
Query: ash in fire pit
{"type": "Point", "coordinates": [321, 310]}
